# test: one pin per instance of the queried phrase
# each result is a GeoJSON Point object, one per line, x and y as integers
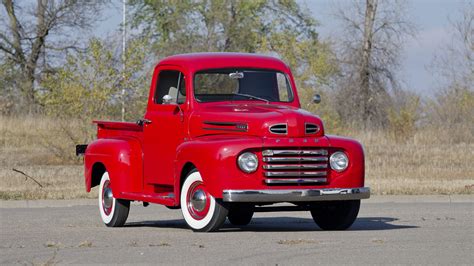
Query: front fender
{"type": "Point", "coordinates": [215, 158]}
{"type": "Point", "coordinates": [355, 174]}
{"type": "Point", "coordinates": [123, 160]}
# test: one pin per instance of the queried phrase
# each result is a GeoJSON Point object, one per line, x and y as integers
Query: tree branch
{"type": "Point", "coordinates": [6, 39]}
{"type": "Point", "coordinates": [15, 28]}
{"type": "Point", "coordinates": [3, 48]}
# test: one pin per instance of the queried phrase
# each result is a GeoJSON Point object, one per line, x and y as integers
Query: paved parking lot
{"type": "Point", "coordinates": [422, 230]}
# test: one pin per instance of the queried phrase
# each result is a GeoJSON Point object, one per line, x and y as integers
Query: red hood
{"type": "Point", "coordinates": [252, 119]}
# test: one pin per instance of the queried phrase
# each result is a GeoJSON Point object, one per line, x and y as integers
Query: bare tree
{"type": "Point", "coordinates": [453, 69]}
{"type": "Point", "coordinates": [31, 35]}
{"type": "Point", "coordinates": [454, 61]}
{"type": "Point", "coordinates": [373, 33]}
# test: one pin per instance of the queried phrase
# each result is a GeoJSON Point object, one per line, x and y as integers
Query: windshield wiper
{"type": "Point", "coordinates": [252, 97]}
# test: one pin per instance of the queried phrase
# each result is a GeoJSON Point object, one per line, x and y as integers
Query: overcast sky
{"type": "Point", "coordinates": [432, 20]}
{"type": "Point", "coordinates": [430, 16]}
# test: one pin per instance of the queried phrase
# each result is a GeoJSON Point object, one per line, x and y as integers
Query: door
{"type": "Point", "coordinates": [164, 128]}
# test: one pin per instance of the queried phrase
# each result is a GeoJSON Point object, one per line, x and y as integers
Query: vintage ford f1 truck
{"type": "Point", "coordinates": [224, 136]}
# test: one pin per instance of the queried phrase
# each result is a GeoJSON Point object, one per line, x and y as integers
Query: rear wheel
{"type": "Point", "coordinates": [201, 211]}
{"type": "Point", "coordinates": [114, 212]}
{"type": "Point", "coordinates": [240, 214]}
{"type": "Point", "coordinates": [335, 215]}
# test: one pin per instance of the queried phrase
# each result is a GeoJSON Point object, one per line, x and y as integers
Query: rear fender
{"type": "Point", "coordinates": [122, 158]}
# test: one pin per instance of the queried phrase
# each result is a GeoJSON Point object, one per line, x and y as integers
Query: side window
{"type": "Point", "coordinates": [284, 91]}
{"type": "Point", "coordinates": [168, 83]}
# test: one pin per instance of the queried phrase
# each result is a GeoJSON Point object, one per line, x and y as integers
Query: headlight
{"type": "Point", "coordinates": [339, 161]}
{"type": "Point", "coordinates": [248, 162]}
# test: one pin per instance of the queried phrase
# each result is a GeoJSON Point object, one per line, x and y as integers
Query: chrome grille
{"type": "Point", "coordinates": [311, 128]}
{"type": "Point", "coordinates": [295, 166]}
{"type": "Point", "coordinates": [287, 181]}
{"type": "Point", "coordinates": [279, 129]}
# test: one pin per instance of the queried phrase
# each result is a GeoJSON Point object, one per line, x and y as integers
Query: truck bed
{"type": "Point", "coordinates": [113, 129]}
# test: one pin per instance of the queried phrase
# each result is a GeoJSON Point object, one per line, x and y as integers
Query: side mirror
{"type": "Point", "coordinates": [316, 98]}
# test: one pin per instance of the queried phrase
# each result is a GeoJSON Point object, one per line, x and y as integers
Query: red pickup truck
{"type": "Point", "coordinates": [224, 136]}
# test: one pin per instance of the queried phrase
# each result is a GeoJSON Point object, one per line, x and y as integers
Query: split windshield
{"type": "Point", "coordinates": [242, 85]}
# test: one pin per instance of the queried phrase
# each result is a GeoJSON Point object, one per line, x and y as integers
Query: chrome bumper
{"type": "Point", "coordinates": [294, 195]}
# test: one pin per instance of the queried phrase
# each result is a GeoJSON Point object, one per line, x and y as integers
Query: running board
{"type": "Point", "coordinates": [165, 198]}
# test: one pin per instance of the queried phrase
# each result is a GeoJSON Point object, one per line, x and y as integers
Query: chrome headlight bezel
{"type": "Point", "coordinates": [339, 161]}
{"type": "Point", "coordinates": [248, 162]}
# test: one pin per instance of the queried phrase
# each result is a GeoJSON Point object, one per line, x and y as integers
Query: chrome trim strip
{"type": "Point", "coordinates": [295, 159]}
{"type": "Point", "coordinates": [294, 166]}
{"type": "Point", "coordinates": [296, 152]}
{"type": "Point", "coordinates": [219, 123]}
{"type": "Point", "coordinates": [224, 129]}
{"type": "Point", "coordinates": [315, 128]}
{"type": "Point", "coordinates": [288, 195]}
{"type": "Point", "coordinates": [295, 174]}
{"type": "Point", "coordinates": [279, 133]}
{"type": "Point", "coordinates": [295, 181]}
{"type": "Point", "coordinates": [225, 126]}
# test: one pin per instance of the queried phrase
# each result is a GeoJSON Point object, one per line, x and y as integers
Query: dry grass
{"type": "Point", "coordinates": [423, 164]}
{"type": "Point", "coordinates": [427, 163]}
{"type": "Point", "coordinates": [30, 145]}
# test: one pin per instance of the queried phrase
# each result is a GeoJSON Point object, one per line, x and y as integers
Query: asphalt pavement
{"type": "Point", "coordinates": [389, 230]}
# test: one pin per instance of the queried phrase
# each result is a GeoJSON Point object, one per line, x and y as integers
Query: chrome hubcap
{"type": "Point", "coordinates": [108, 198]}
{"type": "Point", "coordinates": [198, 200]}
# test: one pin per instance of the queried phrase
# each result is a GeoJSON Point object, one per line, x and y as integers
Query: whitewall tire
{"type": "Point", "coordinates": [113, 212]}
{"type": "Point", "coordinates": [201, 211]}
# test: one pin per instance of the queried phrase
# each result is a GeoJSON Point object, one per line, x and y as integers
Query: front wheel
{"type": "Point", "coordinates": [201, 211]}
{"type": "Point", "coordinates": [240, 214]}
{"type": "Point", "coordinates": [114, 212]}
{"type": "Point", "coordinates": [335, 215]}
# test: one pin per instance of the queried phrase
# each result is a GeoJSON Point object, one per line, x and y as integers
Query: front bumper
{"type": "Point", "coordinates": [296, 195]}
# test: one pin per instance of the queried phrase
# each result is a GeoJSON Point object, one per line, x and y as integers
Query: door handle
{"type": "Point", "coordinates": [144, 121]}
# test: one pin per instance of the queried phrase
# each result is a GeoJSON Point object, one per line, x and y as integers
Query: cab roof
{"type": "Point", "coordinates": [201, 61]}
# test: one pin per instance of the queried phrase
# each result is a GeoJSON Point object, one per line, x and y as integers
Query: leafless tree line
{"type": "Point", "coordinates": [373, 35]}
{"type": "Point", "coordinates": [367, 91]}
{"type": "Point", "coordinates": [32, 35]}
